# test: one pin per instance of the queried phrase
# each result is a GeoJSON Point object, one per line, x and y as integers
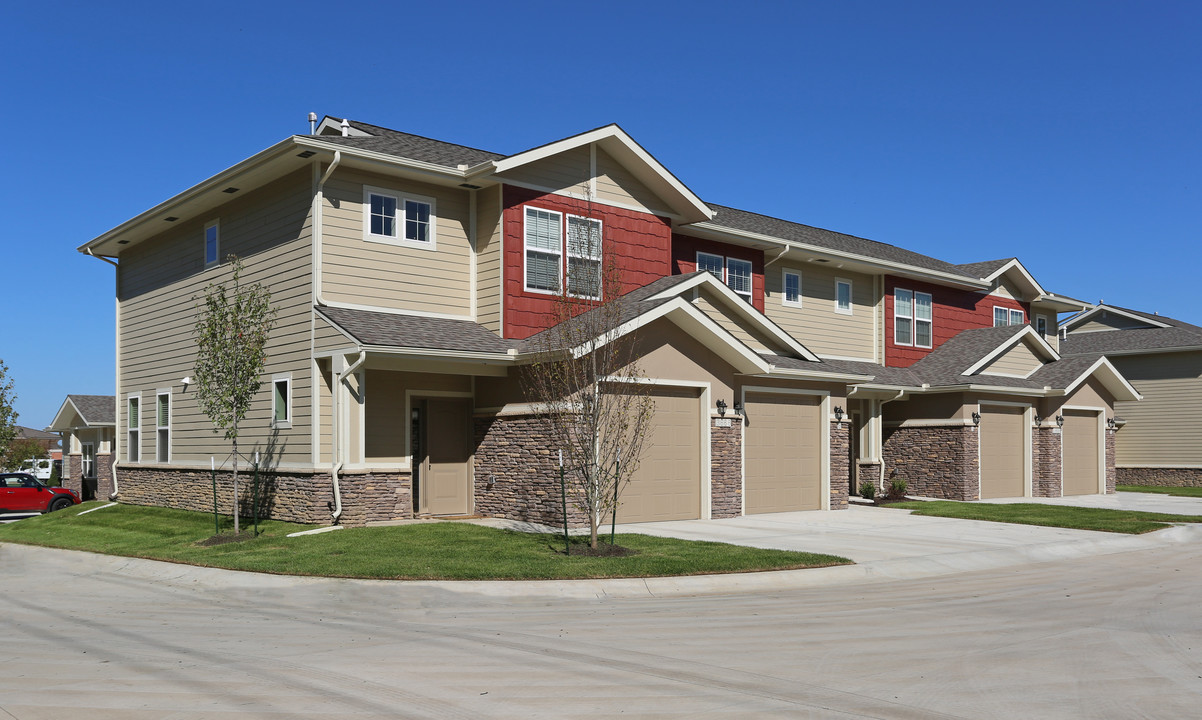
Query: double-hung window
{"type": "Point", "coordinates": [735, 273]}
{"type": "Point", "coordinates": [1007, 316]}
{"type": "Point", "coordinates": [912, 318]}
{"type": "Point", "coordinates": [792, 288]}
{"type": "Point", "coordinates": [398, 218]}
{"type": "Point", "coordinates": [162, 413]}
{"type": "Point", "coordinates": [87, 459]}
{"type": "Point", "coordinates": [133, 425]}
{"type": "Point", "coordinates": [1016, 317]}
{"type": "Point", "coordinates": [544, 249]}
{"type": "Point", "coordinates": [212, 244]}
{"type": "Point", "coordinates": [843, 296]}
{"type": "Point", "coordinates": [584, 257]}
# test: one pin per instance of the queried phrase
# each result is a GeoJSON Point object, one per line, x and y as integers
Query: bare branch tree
{"type": "Point", "coordinates": [586, 383]}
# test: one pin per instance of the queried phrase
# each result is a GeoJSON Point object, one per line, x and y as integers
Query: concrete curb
{"type": "Point", "coordinates": [184, 576]}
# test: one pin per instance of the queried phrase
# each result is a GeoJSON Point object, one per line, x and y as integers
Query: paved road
{"type": "Point", "coordinates": [1108, 636]}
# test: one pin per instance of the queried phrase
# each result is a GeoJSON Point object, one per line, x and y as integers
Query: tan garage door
{"type": "Point", "coordinates": [1080, 466]}
{"type": "Point", "coordinates": [1003, 452]}
{"type": "Point", "coordinates": [667, 485]}
{"type": "Point", "coordinates": [782, 458]}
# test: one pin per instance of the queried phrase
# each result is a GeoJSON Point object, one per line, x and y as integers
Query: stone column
{"type": "Point", "coordinates": [726, 477]}
{"type": "Point", "coordinates": [840, 449]}
{"type": "Point", "coordinates": [1046, 480]}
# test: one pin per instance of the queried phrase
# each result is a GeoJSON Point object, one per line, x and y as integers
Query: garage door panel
{"type": "Point", "coordinates": [667, 485]}
{"type": "Point", "coordinates": [1003, 455]}
{"type": "Point", "coordinates": [1080, 467]}
{"type": "Point", "coordinates": [782, 453]}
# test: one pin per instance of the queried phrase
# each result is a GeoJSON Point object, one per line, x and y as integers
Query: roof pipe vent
{"type": "Point", "coordinates": [312, 123]}
{"type": "Point", "coordinates": [346, 128]}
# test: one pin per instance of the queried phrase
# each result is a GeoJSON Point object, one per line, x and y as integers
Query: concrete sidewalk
{"type": "Point", "coordinates": [1146, 502]}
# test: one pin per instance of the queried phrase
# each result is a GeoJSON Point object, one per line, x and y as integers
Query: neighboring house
{"type": "Point", "coordinates": [87, 425]}
{"type": "Point", "coordinates": [47, 440]}
{"type": "Point", "coordinates": [1160, 442]}
{"type": "Point", "coordinates": [412, 276]}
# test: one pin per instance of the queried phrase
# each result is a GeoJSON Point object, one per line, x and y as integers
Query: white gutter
{"type": "Point", "coordinates": [336, 464]}
{"type": "Point", "coordinates": [318, 196]}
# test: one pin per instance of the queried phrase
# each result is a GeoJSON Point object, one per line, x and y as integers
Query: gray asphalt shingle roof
{"type": "Point", "coordinates": [1179, 335]}
{"type": "Point", "coordinates": [984, 269]}
{"type": "Point", "coordinates": [96, 409]}
{"type": "Point", "coordinates": [413, 147]}
{"type": "Point", "coordinates": [409, 331]}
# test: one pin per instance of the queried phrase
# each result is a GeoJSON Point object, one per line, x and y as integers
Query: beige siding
{"type": "Point", "coordinates": [1007, 289]}
{"type": "Point", "coordinates": [1103, 321]}
{"type": "Point", "coordinates": [1019, 361]}
{"type": "Point", "coordinates": [816, 324]}
{"type": "Point", "coordinates": [161, 281]}
{"type": "Point", "coordinates": [735, 325]}
{"type": "Point", "coordinates": [325, 427]}
{"type": "Point", "coordinates": [1165, 428]}
{"type": "Point", "coordinates": [489, 259]}
{"type": "Point", "coordinates": [566, 171]}
{"type": "Point", "coordinates": [616, 185]}
{"type": "Point", "coordinates": [326, 337]}
{"type": "Point", "coordinates": [386, 415]}
{"type": "Point", "coordinates": [398, 277]}
{"type": "Point", "coordinates": [667, 352]}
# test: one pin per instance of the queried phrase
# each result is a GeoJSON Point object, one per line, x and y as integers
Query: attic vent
{"type": "Point", "coordinates": [230, 190]}
{"type": "Point", "coordinates": [469, 186]}
{"type": "Point", "coordinates": [122, 242]}
{"type": "Point", "coordinates": [306, 154]}
{"type": "Point", "coordinates": [171, 218]}
{"type": "Point", "coordinates": [820, 260]}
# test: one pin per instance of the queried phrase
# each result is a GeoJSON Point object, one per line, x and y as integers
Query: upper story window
{"type": "Point", "coordinates": [399, 218]}
{"type": "Point", "coordinates": [843, 296]}
{"type": "Point", "coordinates": [1041, 326]}
{"type": "Point", "coordinates": [792, 287]}
{"type": "Point", "coordinates": [912, 318]}
{"type": "Point", "coordinates": [545, 249]}
{"type": "Point", "coordinates": [734, 272]}
{"type": "Point", "coordinates": [212, 244]}
{"type": "Point", "coordinates": [1007, 316]}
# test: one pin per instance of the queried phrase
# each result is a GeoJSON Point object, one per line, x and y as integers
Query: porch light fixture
{"type": "Point", "coordinates": [1059, 421]}
{"type": "Point", "coordinates": [1110, 423]}
{"type": "Point", "coordinates": [838, 414]}
{"type": "Point", "coordinates": [1038, 421]}
{"type": "Point", "coordinates": [738, 408]}
{"type": "Point", "coordinates": [976, 418]}
{"type": "Point", "coordinates": [721, 407]}
{"type": "Point", "coordinates": [186, 381]}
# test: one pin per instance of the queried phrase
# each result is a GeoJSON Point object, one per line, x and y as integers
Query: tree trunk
{"type": "Point", "coordinates": [236, 528]}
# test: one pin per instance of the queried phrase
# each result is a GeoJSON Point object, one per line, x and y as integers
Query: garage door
{"type": "Point", "coordinates": [782, 458]}
{"type": "Point", "coordinates": [667, 485]}
{"type": "Point", "coordinates": [1080, 466]}
{"type": "Point", "coordinates": [1003, 454]}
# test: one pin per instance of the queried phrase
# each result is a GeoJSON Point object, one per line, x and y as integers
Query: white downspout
{"type": "Point", "coordinates": [778, 257]}
{"type": "Point", "coordinates": [114, 448]}
{"type": "Point", "coordinates": [318, 196]}
{"type": "Point", "coordinates": [336, 464]}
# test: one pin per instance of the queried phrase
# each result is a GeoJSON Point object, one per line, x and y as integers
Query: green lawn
{"type": "Point", "coordinates": [424, 551]}
{"type": "Point", "coordinates": [1178, 491]}
{"type": "Point", "coordinates": [1077, 518]}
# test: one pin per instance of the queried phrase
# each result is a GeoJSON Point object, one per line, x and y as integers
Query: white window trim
{"type": "Point", "coordinates": [399, 239]}
{"type": "Point", "coordinates": [568, 254]}
{"type": "Point", "coordinates": [1022, 317]}
{"type": "Point", "coordinates": [286, 423]}
{"type": "Point", "coordinates": [133, 447]}
{"type": "Point", "coordinates": [721, 261]}
{"type": "Point", "coordinates": [850, 297]}
{"type": "Point", "coordinates": [204, 242]}
{"type": "Point", "coordinates": [784, 288]}
{"type": "Point", "coordinates": [995, 318]}
{"type": "Point", "coordinates": [1042, 331]}
{"type": "Point", "coordinates": [898, 316]}
{"type": "Point", "coordinates": [750, 278]}
{"type": "Point", "coordinates": [930, 322]}
{"type": "Point", "coordinates": [86, 463]}
{"type": "Point", "coordinates": [158, 429]}
{"type": "Point", "coordinates": [526, 251]}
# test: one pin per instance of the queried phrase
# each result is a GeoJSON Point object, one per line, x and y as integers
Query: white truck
{"type": "Point", "coordinates": [39, 468]}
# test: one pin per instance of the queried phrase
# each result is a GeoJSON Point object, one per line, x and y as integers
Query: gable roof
{"type": "Point", "coordinates": [415, 147]}
{"type": "Point", "coordinates": [1166, 334]}
{"type": "Point", "coordinates": [93, 410]}
{"type": "Point", "coordinates": [381, 330]}
{"type": "Point", "coordinates": [985, 269]}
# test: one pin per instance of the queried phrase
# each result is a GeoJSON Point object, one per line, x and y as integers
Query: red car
{"type": "Point", "coordinates": [23, 493]}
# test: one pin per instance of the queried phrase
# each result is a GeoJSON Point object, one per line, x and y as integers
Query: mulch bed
{"type": "Point", "coordinates": [603, 549]}
{"type": "Point", "coordinates": [225, 538]}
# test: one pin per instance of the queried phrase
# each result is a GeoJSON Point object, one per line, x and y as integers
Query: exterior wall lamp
{"type": "Point", "coordinates": [1038, 421]}
{"type": "Point", "coordinates": [722, 407]}
{"type": "Point", "coordinates": [839, 414]}
{"type": "Point", "coordinates": [1110, 423]}
{"type": "Point", "coordinates": [738, 408]}
{"type": "Point", "coordinates": [976, 418]}
{"type": "Point", "coordinates": [1059, 421]}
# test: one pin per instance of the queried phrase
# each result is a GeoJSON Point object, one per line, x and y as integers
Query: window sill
{"type": "Point", "coordinates": [281, 425]}
{"type": "Point", "coordinates": [401, 242]}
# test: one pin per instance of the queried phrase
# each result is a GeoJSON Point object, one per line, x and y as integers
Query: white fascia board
{"type": "Point", "coordinates": [336, 124]}
{"type": "Point", "coordinates": [699, 326]}
{"type": "Point", "coordinates": [1111, 378]}
{"type": "Point", "coordinates": [220, 180]}
{"type": "Point", "coordinates": [380, 158]}
{"type": "Point", "coordinates": [1148, 351]}
{"type": "Point", "coordinates": [481, 357]}
{"type": "Point", "coordinates": [744, 309]}
{"type": "Point", "coordinates": [54, 425]}
{"type": "Point", "coordinates": [615, 140]}
{"type": "Point", "coordinates": [1078, 319]}
{"type": "Point", "coordinates": [1016, 266]}
{"type": "Point", "coordinates": [1027, 332]}
{"type": "Point", "coordinates": [816, 374]}
{"type": "Point", "coordinates": [875, 263]}
{"type": "Point", "coordinates": [1061, 303]}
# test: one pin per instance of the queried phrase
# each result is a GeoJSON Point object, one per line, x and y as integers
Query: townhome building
{"type": "Point", "coordinates": [414, 278]}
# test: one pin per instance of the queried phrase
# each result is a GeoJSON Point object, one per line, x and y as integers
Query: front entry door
{"type": "Point", "coordinates": [446, 472]}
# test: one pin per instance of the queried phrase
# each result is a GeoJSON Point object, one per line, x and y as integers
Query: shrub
{"type": "Point", "coordinates": [897, 489]}
{"type": "Point", "coordinates": [868, 489]}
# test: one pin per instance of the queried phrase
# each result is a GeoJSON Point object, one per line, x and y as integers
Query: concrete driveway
{"type": "Point", "coordinates": [1148, 502]}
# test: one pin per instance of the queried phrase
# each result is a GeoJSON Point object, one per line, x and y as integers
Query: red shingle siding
{"type": "Point", "coordinates": [684, 260]}
{"type": "Point", "coordinates": [642, 242]}
{"type": "Point", "coordinates": [953, 311]}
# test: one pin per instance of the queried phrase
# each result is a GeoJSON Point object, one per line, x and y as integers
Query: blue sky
{"type": "Point", "coordinates": [1066, 134]}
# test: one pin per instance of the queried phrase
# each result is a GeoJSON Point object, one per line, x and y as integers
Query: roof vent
{"type": "Point", "coordinates": [346, 128]}
{"type": "Point", "coordinates": [306, 154]}
{"type": "Point", "coordinates": [171, 218]}
{"type": "Point", "coordinates": [230, 190]}
{"type": "Point", "coordinates": [312, 123]}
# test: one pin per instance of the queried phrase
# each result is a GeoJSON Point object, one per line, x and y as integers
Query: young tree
{"type": "Point", "coordinates": [232, 327]}
{"type": "Point", "coordinates": [587, 388]}
{"type": "Point", "coordinates": [8, 416]}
